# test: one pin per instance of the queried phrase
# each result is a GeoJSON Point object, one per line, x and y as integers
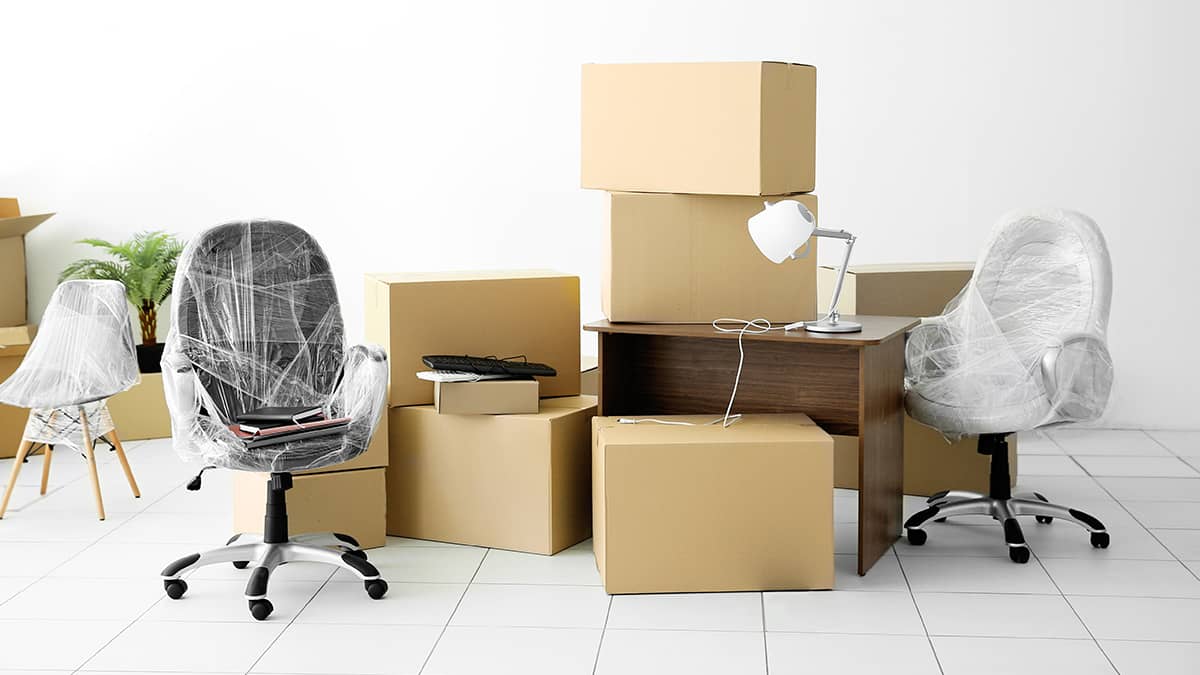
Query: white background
{"type": "Point", "coordinates": [421, 136]}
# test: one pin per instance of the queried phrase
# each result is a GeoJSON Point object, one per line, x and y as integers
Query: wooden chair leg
{"type": "Point", "coordinates": [47, 454]}
{"type": "Point", "coordinates": [90, 452]}
{"type": "Point", "coordinates": [22, 453]}
{"type": "Point", "coordinates": [116, 442]}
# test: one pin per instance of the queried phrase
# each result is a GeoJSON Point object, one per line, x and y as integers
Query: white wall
{"type": "Point", "coordinates": [445, 135]}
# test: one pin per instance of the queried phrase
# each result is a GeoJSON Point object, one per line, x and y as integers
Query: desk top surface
{"type": "Point", "coordinates": [876, 329]}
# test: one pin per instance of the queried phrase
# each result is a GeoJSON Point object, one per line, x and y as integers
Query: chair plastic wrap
{"type": "Point", "coordinates": [257, 323]}
{"type": "Point", "coordinates": [83, 351]}
{"type": "Point", "coordinates": [1024, 344]}
{"type": "Point", "coordinates": [64, 426]}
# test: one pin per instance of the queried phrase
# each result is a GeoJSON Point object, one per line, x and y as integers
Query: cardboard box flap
{"type": "Point", "coordinates": [748, 428]}
{"type": "Point", "coordinates": [551, 408]}
{"type": "Point", "coordinates": [463, 275]}
{"type": "Point", "coordinates": [15, 227]}
{"type": "Point", "coordinates": [9, 208]}
{"type": "Point", "coordinates": [17, 336]}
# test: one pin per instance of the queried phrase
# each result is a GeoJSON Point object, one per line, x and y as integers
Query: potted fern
{"type": "Point", "coordinates": [145, 264]}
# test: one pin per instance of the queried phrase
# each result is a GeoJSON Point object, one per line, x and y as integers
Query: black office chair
{"type": "Point", "coordinates": [257, 323]}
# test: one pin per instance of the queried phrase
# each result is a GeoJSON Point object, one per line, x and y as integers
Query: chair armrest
{"type": "Point", "coordinates": [362, 393]}
{"type": "Point", "coordinates": [928, 349]}
{"type": "Point", "coordinates": [1077, 376]}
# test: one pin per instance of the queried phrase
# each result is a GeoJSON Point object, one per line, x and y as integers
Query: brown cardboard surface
{"type": "Point", "coordinates": [589, 376]}
{"type": "Point", "coordinates": [909, 289]}
{"type": "Point", "coordinates": [375, 456]}
{"type": "Point", "coordinates": [502, 313]}
{"type": "Point", "coordinates": [517, 482]}
{"type": "Point", "coordinates": [486, 397]}
{"type": "Point", "coordinates": [745, 128]}
{"type": "Point", "coordinates": [14, 342]}
{"type": "Point", "coordinates": [347, 502]}
{"type": "Point", "coordinates": [13, 228]}
{"type": "Point", "coordinates": [706, 508]}
{"type": "Point", "coordinates": [689, 259]}
{"type": "Point", "coordinates": [141, 411]}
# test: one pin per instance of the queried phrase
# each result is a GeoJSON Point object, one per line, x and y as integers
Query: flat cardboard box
{"type": "Point", "coordinates": [681, 509]}
{"type": "Point", "coordinates": [517, 482]}
{"type": "Point", "coordinates": [140, 412]}
{"type": "Point", "coordinates": [347, 502]}
{"type": "Point", "coordinates": [931, 463]}
{"type": "Point", "coordinates": [486, 397]}
{"type": "Point", "coordinates": [14, 343]}
{"type": "Point", "coordinates": [689, 259]}
{"type": "Point", "coordinates": [13, 292]}
{"type": "Point", "coordinates": [589, 376]}
{"type": "Point", "coordinates": [704, 128]}
{"type": "Point", "coordinates": [908, 289]}
{"type": "Point", "coordinates": [502, 313]}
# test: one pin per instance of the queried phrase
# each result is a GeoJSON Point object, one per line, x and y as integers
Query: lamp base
{"type": "Point", "coordinates": [827, 326]}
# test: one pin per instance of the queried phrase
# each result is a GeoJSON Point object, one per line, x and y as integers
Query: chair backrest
{"type": "Point", "coordinates": [83, 350]}
{"type": "Point", "coordinates": [256, 314]}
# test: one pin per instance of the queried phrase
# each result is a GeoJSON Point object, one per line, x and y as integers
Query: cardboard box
{"type": "Point", "coordinates": [681, 509]}
{"type": "Point", "coordinates": [706, 128]}
{"type": "Point", "coordinates": [689, 259]}
{"type": "Point", "coordinates": [931, 463]}
{"type": "Point", "coordinates": [13, 228]}
{"type": "Point", "coordinates": [14, 343]}
{"type": "Point", "coordinates": [347, 502]}
{"type": "Point", "coordinates": [502, 313]}
{"type": "Point", "coordinates": [375, 456]}
{"type": "Point", "coordinates": [517, 482]}
{"type": "Point", "coordinates": [589, 375]}
{"type": "Point", "coordinates": [909, 289]}
{"type": "Point", "coordinates": [141, 411]}
{"type": "Point", "coordinates": [486, 397]}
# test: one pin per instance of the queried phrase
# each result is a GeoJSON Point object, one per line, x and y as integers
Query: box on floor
{"type": "Point", "coordinates": [534, 313]}
{"type": "Point", "coordinates": [14, 343]}
{"type": "Point", "coordinates": [517, 482]}
{"type": "Point", "coordinates": [486, 397]}
{"type": "Point", "coordinates": [13, 228]}
{"type": "Point", "coordinates": [702, 508]}
{"type": "Point", "coordinates": [347, 502]}
{"type": "Point", "coordinates": [140, 412]}
{"type": "Point", "coordinates": [709, 128]}
{"type": "Point", "coordinates": [689, 259]}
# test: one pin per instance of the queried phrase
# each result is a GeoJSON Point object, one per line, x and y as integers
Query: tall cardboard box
{"type": "Point", "coordinates": [140, 412]}
{"type": "Point", "coordinates": [708, 128]}
{"type": "Point", "coordinates": [517, 482]}
{"type": "Point", "coordinates": [680, 509]}
{"type": "Point", "coordinates": [347, 502]}
{"type": "Point", "coordinates": [534, 313]}
{"type": "Point", "coordinates": [677, 258]}
{"type": "Point", "coordinates": [13, 228]}
{"type": "Point", "coordinates": [931, 463]}
{"type": "Point", "coordinates": [14, 343]}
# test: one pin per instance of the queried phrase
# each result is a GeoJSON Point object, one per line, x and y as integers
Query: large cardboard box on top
{"type": "Point", "coordinates": [931, 463]}
{"type": "Point", "coordinates": [14, 343]}
{"type": "Point", "coordinates": [517, 482]}
{"type": "Point", "coordinates": [680, 509]}
{"type": "Point", "coordinates": [534, 313]}
{"type": "Point", "coordinates": [347, 502]}
{"type": "Point", "coordinates": [689, 259]}
{"type": "Point", "coordinates": [710, 128]}
{"type": "Point", "coordinates": [13, 228]}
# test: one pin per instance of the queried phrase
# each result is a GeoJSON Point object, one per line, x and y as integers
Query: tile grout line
{"type": "Point", "coordinates": [603, 632]}
{"type": "Point", "coordinates": [292, 621]}
{"type": "Point", "coordinates": [913, 597]}
{"type": "Point", "coordinates": [1073, 611]}
{"type": "Point", "coordinates": [450, 618]}
{"type": "Point", "coordinates": [762, 606]}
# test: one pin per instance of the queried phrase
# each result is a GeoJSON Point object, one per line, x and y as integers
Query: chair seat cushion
{"type": "Point", "coordinates": [986, 418]}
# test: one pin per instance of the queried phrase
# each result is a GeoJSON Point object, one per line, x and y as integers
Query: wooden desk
{"type": "Point", "coordinates": [848, 383]}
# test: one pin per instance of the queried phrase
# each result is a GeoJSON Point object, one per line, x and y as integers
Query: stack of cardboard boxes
{"type": "Point", "coordinates": [687, 153]}
{"type": "Point", "coordinates": [464, 466]}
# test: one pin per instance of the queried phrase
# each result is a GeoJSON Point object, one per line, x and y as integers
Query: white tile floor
{"type": "Point", "coordinates": [78, 595]}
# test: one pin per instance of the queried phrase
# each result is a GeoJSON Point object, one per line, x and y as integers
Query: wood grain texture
{"type": "Point", "coordinates": [881, 450]}
{"type": "Point", "coordinates": [876, 329]}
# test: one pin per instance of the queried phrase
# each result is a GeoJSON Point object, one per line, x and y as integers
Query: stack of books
{"type": "Point", "coordinates": [270, 426]}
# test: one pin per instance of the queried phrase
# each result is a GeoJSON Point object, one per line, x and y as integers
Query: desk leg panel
{"type": "Point", "coordinates": [880, 450]}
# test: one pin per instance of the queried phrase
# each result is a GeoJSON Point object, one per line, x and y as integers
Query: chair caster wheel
{"type": "Point", "coordinates": [916, 537]}
{"type": "Point", "coordinates": [376, 588]}
{"type": "Point", "coordinates": [260, 609]}
{"type": "Point", "coordinates": [241, 564]}
{"type": "Point", "coordinates": [1045, 520]}
{"type": "Point", "coordinates": [1099, 540]}
{"type": "Point", "coordinates": [358, 553]}
{"type": "Point", "coordinates": [175, 588]}
{"type": "Point", "coordinates": [1019, 554]}
{"type": "Point", "coordinates": [939, 520]}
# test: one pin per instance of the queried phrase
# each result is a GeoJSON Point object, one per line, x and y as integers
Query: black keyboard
{"type": "Point", "coordinates": [488, 366]}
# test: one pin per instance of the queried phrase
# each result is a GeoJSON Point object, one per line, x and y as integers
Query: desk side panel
{"type": "Point", "coordinates": [881, 451]}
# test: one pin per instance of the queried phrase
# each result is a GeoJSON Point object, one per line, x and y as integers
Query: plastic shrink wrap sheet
{"type": "Point", "coordinates": [1024, 344]}
{"type": "Point", "coordinates": [83, 354]}
{"type": "Point", "coordinates": [257, 323]}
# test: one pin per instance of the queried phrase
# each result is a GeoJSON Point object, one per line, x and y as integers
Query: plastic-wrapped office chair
{"type": "Point", "coordinates": [1021, 347]}
{"type": "Point", "coordinates": [82, 355]}
{"type": "Point", "coordinates": [257, 323]}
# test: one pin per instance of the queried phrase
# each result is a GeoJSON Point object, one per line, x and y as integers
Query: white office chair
{"type": "Point", "coordinates": [1022, 346]}
{"type": "Point", "coordinates": [82, 355]}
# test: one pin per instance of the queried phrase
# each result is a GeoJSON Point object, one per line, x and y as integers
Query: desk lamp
{"type": "Point", "coordinates": [783, 228]}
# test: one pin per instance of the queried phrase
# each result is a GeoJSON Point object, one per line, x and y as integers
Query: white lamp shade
{"type": "Point", "coordinates": [780, 229]}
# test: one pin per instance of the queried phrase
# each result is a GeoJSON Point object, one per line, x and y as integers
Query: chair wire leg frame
{"type": "Point", "coordinates": [1001, 505]}
{"type": "Point", "coordinates": [263, 553]}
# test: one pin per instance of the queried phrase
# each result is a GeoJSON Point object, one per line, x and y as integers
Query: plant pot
{"type": "Point", "coordinates": [148, 357]}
